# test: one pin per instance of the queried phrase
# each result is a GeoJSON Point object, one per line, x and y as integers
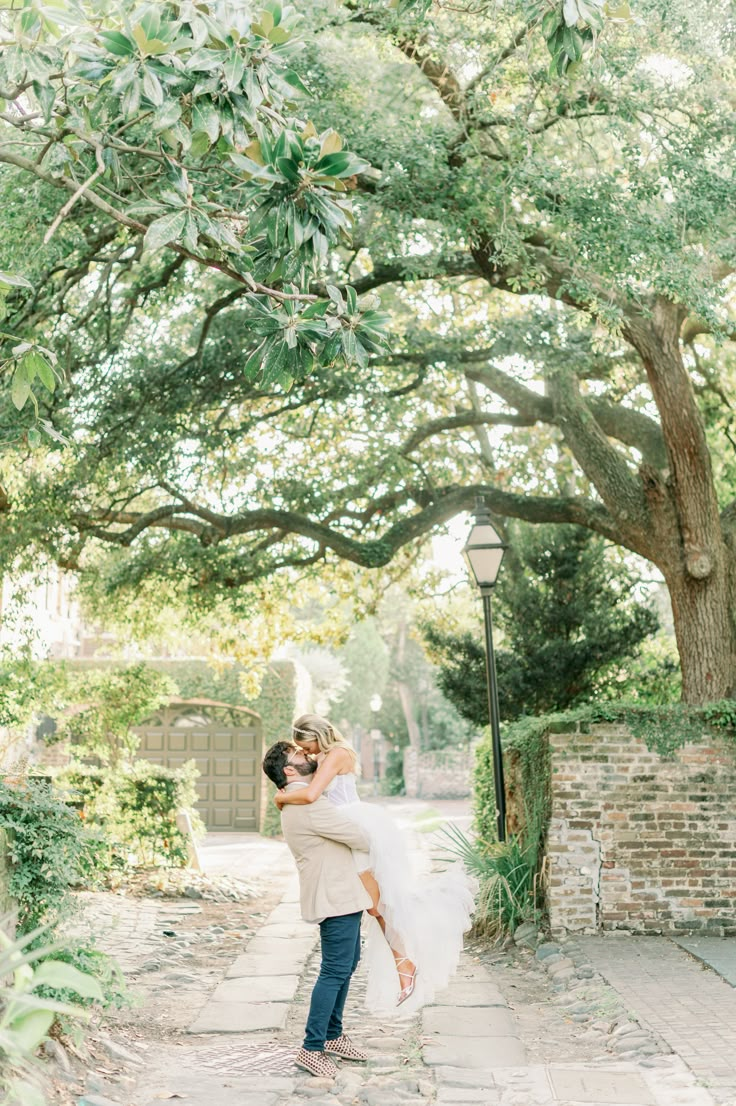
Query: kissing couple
{"type": "Point", "coordinates": [351, 859]}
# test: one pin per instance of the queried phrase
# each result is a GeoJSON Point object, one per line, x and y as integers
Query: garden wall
{"type": "Point", "coordinates": [638, 841]}
{"type": "Point", "coordinates": [440, 774]}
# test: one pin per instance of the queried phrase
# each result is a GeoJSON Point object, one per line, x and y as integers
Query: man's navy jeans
{"type": "Point", "coordinates": [340, 942]}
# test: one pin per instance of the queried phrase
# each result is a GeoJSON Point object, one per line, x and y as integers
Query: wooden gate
{"type": "Point", "coordinates": [225, 742]}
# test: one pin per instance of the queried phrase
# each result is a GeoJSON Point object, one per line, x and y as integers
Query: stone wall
{"type": "Point", "coordinates": [638, 842]}
{"type": "Point", "coordinates": [440, 774]}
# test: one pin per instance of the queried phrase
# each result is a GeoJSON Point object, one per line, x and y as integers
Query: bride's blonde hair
{"type": "Point", "coordinates": [313, 727]}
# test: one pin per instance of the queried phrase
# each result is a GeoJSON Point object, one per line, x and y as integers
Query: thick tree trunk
{"type": "Point", "coordinates": [686, 537]}
{"type": "Point", "coordinates": [705, 636]}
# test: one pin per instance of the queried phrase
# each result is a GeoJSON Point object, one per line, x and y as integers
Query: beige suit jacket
{"type": "Point", "coordinates": [321, 839]}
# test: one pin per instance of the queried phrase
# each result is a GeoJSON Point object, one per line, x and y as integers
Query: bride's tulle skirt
{"type": "Point", "coordinates": [426, 916]}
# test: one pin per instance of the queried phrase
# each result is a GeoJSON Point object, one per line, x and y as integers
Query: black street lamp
{"type": "Point", "coordinates": [484, 552]}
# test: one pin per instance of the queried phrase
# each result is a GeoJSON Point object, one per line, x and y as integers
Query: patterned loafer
{"type": "Point", "coordinates": [316, 1063]}
{"type": "Point", "coordinates": [345, 1049]}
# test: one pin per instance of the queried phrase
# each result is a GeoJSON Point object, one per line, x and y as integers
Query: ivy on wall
{"type": "Point", "coordinates": [663, 729]}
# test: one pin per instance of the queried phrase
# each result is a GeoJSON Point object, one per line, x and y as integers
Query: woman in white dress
{"type": "Point", "coordinates": [419, 923]}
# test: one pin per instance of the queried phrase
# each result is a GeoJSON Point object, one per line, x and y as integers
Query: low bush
{"type": "Point", "coordinates": [48, 849]}
{"type": "Point", "coordinates": [135, 807]}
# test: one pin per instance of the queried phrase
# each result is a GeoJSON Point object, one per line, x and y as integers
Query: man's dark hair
{"type": "Point", "coordinates": [275, 761]}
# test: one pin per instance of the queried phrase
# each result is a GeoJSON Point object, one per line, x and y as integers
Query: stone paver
{"type": "Point", "coordinates": [598, 1086]}
{"type": "Point", "coordinates": [688, 1006]}
{"type": "Point", "coordinates": [240, 1017]}
{"type": "Point", "coordinates": [265, 988]}
{"type": "Point", "coordinates": [475, 1052]}
{"type": "Point", "coordinates": [469, 1021]}
{"type": "Point", "coordinates": [719, 953]}
{"type": "Point", "coordinates": [249, 964]}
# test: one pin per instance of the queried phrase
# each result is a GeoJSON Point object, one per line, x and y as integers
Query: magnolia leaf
{"type": "Point", "coordinates": [151, 22]}
{"type": "Point", "coordinates": [570, 12]}
{"type": "Point", "coordinates": [205, 118]}
{"type": "Point", "coordinates": [61, 976]}
{"type": "Point", "coordinates": [168, 114]}
{"type": "Point", "coordinates": [310, 131]}
{"type": "Point", "coordinates": [14, 280]}
{"type": "Point", "coordinates": [115, 42]}
{"type": "Point", "coordinates": [29, 1030]}
{"type": "Point", "coordinates": [278, 36]}
{"type": "Point", "coordinates": [265, 24]}
{"type": "Point", "coordinates": [20, 389]}
{"type": "Point", "coordinates": [234, 70]}
{"type": "Point", "coordinates": [166, 229]}
{"type": "Point", "coordinates": [152, 88]}
{"type": "Point", "coordinates": [289, 169]}
{"type": "Point", "coordinates": [292, 78]}
{"type": "Point", "coordinates": [331, 143]}
{"type": "Point", "coordinates": [36, 365]}
{"type": "Point", "coordinates": [200, 144]}
{"type": "Point", "coordinates": [550, 23]}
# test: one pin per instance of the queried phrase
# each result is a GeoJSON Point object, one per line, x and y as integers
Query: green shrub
{"type": "Point", "coordinates": [508, 884]}
{"type": "Point", "coordinates": [135, 808]}
{"type": "Point", "coordinates": [393, 782]}
{"type": "Point", "coordinates": [48, 850]}
{"type": "Point", "coordinates": [90, 963]}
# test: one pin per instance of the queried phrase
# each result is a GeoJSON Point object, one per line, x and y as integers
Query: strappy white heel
{"type": "Point", "coordinates": [407, 991]}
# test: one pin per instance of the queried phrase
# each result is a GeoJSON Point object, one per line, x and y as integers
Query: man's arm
{"type": "Point", "coordinates": [326, 820]}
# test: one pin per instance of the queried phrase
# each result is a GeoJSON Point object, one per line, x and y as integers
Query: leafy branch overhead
{"type": "Point", "coordinates": [176, 121]}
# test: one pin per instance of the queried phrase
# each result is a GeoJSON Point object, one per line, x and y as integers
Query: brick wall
{"type": "Point", "coordinates": [442, 774]}
{"type": "Point", "coordinates": [639, 842]}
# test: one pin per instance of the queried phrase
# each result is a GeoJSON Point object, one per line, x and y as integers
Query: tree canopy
{"type": "Point", "coordinates": [549, 218]}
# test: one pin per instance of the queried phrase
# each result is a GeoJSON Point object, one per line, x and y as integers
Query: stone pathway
{"type": "Point", "coordinates": [242, 1024]}
{"type": "Point", "coordinates": [690, 1007]}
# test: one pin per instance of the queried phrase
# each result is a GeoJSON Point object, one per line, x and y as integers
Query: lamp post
{"type": "Point", "coordinates": [484, 552]}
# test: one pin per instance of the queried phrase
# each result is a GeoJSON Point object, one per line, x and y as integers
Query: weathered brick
{"type": "Point", "coordinates": [653, 839]}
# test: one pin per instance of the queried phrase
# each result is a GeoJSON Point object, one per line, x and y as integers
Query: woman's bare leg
{"type": "Point", "coordinates": [407, 966]}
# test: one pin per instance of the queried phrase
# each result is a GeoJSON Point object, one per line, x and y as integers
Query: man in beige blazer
{"type": "Point", "coordinates": [332, 895]}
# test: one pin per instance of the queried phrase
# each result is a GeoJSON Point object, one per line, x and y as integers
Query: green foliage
{"type": "Point", "coordinates": [195, 102]}
{"type": "Point", "coordinates": [366, 659]}
{"type": "Point", "coordinates": [507, 875]}
{"type": "Point", "coordinates": [27, 361]}
{"type": "Point", "coordinates": [652, 677]}
{"type": "Point", "coordinates": [569, 620]}
{"type": "Point", "coordinates": [536, 236]}
{"type": "Point", "coordinates": [393, 782]}
{"type": "Point", "coordinates": [134, 809]}
{"type": "Point", "coordinates": [28, 1009]}
{"type": "Point", "coordinates": [106, 705]}
{"type": "Point", "coordinates": [48, 849]}
{"type": "Point", "coordinates": [90, 963]}
{"type": "Point", "coordinates": [665, 729]}
{"type": "Point", "coordinates": [526, 758]}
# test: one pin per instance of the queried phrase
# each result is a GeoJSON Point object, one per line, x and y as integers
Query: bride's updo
{"type": "Point", "coordinates": [313, 727]}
